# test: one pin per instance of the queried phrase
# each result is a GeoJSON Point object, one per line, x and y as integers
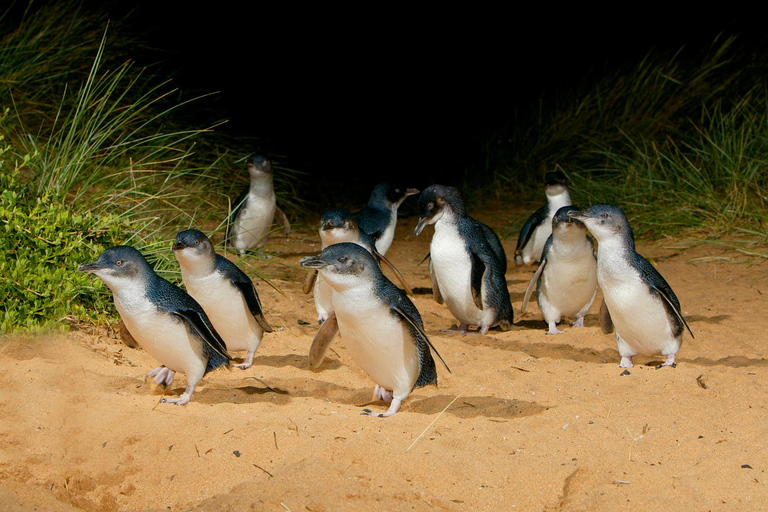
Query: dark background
{"type": "Point", "coordinates": [378, 92]}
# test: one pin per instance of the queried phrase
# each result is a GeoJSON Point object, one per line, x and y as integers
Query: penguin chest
{"type": "Point", "coordinates": [452, 265]}
{"type": "Point", "coordinates": [569, 281]}
{"type": "Point", "coordinates": [378, 341]}
{"type": "Point", "coordinates": [254, 220]}
{"type": "Point", "coordinates": [227, 310]}
{"type": "Point", "coordinates": [638, 314]}
{"type": "Point", "coordinates": [162, 335]}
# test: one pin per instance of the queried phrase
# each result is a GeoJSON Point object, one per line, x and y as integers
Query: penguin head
{"type": "Point", "coordinates": [604, 221]}
{"type": "Point", "coordinates": [192, 247]}
{"type": "Point", "coordinates": [338, 225]}
{"type": "Point", "coordinates": [119, 266]}
{"type": "Point", "coordinates": [437, 201]}
{"type": "Point", "coordinates": [258, 166]}
{"type": "Point", "coordinates": [388, 196]}
{"type": "Point", "coordinates": [563, 223]}
{"type": "Point", "coordinates": [556, 183]}
{"type": "Point", "coordinates": [343, 265]}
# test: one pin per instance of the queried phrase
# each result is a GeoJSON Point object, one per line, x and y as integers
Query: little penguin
{"type": "Point", "coordinates": [165, 321]}
{"type": "Point", "coordinates": [225, 292]}
{"type": "Point", "coordinates": [640, 304]}
{"type": "Point", "coordinates": [566, 280]}
{"type": "Point", "coordinates": [380, 326]}
{"type": "Point", "coordinates": [255, 209]}
{"type": "Point", "coordinates": [468, 262]}
{"type": "Point", "coordinates": [379, 217]}
{"type": "Point", "coordinates": [538, 227]}
{"type": "Point", "coordinates": [338, 225]}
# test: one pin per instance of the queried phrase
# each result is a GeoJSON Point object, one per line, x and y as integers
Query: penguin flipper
{"type": "Point", "coordinates": [309, 281]}
{"type": "Point", "coordinates": [199, 324]}
{"type": "Point", "coordinates": [400, 277]}
{"type": "Point", "coordinates": [496, 247]}
{"type": "Point", "coordinates": [421, 332]}
{"type": "Point", "coordinates": [251, 297]}
{"type": "Point", "coordinates": [527, 231]}
{"type": "Point", "coordinates": [322, 341]}
{"type": "Point", "coordinates": [282, 219]}
{"type": "Point", "coordinates": [675, 311]}
{"type": "Point", "coordinates": [606, 323]}
{"type": "Point", "coordinates": [237, 207]}
{"type": "Point", "coordinates": [657, 283]}
{"type": "Point", "coordinates": [476, 281]}
{"type": "Point", "coordinates": [532, 286]}
{"type": "Point", "coordinates": [435, 286]}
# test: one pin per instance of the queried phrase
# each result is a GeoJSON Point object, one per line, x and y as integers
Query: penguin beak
{"type": "Point", "coordinates": [420, 225]}
{"type": "Point", "coordinates": [90, 268]}
{"type": "Point", "coordinates": [411, 192]}
{"type": "Point", "coordinates": [314, 262]}
{"type": "Point", "coordinates": [578, 215]}
{"type": "Point", "coordinates": [178, 246]}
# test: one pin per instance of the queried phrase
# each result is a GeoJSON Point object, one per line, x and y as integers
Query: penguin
{"type": "Point", "coordinates": [538, 227]}
{"type": "Point", "coordinates": [225, 292]}
{"type": "Point", "coordinates": [468, 262]}
{"type": "Point", "coordinates": [379, 217]}
{"type": "Point", "coordinates": [338, 225]}
{"type": "Point", "coordinates": [255, 209]}
{"type": "Point", "coordinates": [380, 326]}
{"type": "Point", "coordinates": [640, 304]}
{"type": "Point", "coordinates": [165, 321]}
{"type": "Point", "coordinates": [566, 280]}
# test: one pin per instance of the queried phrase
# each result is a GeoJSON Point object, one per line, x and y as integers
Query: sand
{"type": "Point", "coordinates": [525, 421]}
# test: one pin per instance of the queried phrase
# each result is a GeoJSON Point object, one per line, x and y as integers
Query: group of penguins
{"type": "Point", "coordinates": [192, 332]}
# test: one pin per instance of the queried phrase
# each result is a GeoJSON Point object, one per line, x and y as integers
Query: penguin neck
{"type": "Point", "coordinates": [570, 240]}
{"type": "Point", "coordinates": [197, 268]}
{"type": "Point", "coordinates": [261, 185]}
{"type": "Point", "coordinates": [613, 256]}
{"type": "Point", "coordinates": [448, 219]}
{"type": "Point", "coordinates": [557, 200]}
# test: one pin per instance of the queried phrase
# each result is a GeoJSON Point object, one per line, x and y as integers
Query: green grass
{"type": "Point", "coordinates": [96, 154]}
{"type": "Point", "coordinates": [677, 140]}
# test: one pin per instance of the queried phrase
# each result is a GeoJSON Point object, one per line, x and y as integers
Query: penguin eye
{"type": "Point", "coordinates": [119, 263]}
{"type": "Point", "coordinates": [197, 242]}
{"type": "Point", "coordinates": [604, 215]}
{"type": "Point", "coordinates": [343, 259]}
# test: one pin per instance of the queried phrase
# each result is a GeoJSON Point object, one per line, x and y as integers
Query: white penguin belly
{"type": "Point", "coordinates": [161, 335]}
{"type": "Point", "coordinates": [385, 240]}
{"type": "Point", "coordinates": [323, 301]}
{"type": "Point", "coordinates": [453, 268]}
{"type": "Point", "coordinates": [226, 309]}
{"type": "Point", "coordinates": [253, 222]}
{"type": "Point", "coordinates": [568, 284]}
{"type": "Point", "coordinates": [532, 250]}
{"type": "Point", "coordinates": [638, 316]}
{"type": "Point", "coordinates": [377, 340]}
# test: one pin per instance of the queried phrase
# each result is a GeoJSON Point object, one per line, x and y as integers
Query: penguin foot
{"type": "Point", "coordinates": [669, 362]}
{"type": "Point", "coordinates": [163, 376]}
{"type": "Point", "coordinates": [626, 362]}
{"type": "Point", "coordinates": [183, 399]}
{"type": "Point", "coordinates": [379, 393]}
{"type": "Point", "coordinates": [553, 329]}
{"type": "Point", "coordinates": [248, 362]}
{"type": "Point", "coordinates": [462, 329]}
{"type": "Point", "coordinates": [578, 323]}
{"type": "Point", "coordinates": [394, 406]}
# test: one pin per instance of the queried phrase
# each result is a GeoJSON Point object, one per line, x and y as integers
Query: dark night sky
{"type": "Point", "coordinates": [370, 93]}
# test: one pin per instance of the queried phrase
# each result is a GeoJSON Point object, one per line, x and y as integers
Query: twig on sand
{"type": "Point", "coordinates": [433, 422]}
{"type": "Point", "coordinates": [264, 470]}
